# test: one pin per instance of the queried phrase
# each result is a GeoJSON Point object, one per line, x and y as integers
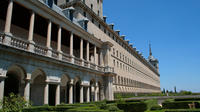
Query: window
{"type": "Point", "coordinates": [84, 14]}
{"type": "Point", "coordinates": [114, 62]}
{"type": "Point", "coordinates": [113, 51]}
{"type": "Point", "coordinates": [117, 53]}
{"type": "Point", "coordinates": [92, 20]}
{"type": "Point", "coordinates": [84, 1]}
{"type": "Point", "coordinates": [98, 12]}
{"type": "Point", "coordinates": [99, 26]}
{"type": "Point", "coordinates": [97, 1]}
{"type": "Point", "coordinates": [67, 0]}
{"type": "Point", "coordinates": [92, 6]}
{"type": "Point", "coordinates": [104, 30]}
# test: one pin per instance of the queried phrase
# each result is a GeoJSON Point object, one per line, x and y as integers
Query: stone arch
{"type": "Point", "coordinates": [38, 82]}
{"type": "Point", "coordinates": [14, 83]}
{"type": "Point", "coordinates": [64, 89]}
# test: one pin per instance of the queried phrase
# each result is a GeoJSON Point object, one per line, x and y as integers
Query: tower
{"type": "Point", "coordinates": [153, 60]}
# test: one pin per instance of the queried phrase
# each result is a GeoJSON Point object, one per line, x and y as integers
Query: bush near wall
{"type": "Point", "coordinates": [187, 99]}
{"type": "Point", "coordinates": [179, 105]}
{"type": "Point", "coordinates": [133, 107]}
{"type": "Point", "coordinates": [183, 110]}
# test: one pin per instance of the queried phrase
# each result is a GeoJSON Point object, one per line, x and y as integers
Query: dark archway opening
{"type": "Point", "coordinates": [52, 94]}
{"type": "Point", "coordinates": [77, 92]}
{"type": "Point", "coordinates": [11, 84]}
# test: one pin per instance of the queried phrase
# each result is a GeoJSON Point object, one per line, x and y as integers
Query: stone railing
{"type": "Point", "coordinates": [100, 68]}
{"type": "Point", "coordinates": [66, 57]}
{"type": "Point", "coordinates": [40, 50]}
{"type": "Point", "coordinates": [19, 43]}
{"type": "Point", "coordinates": [109, 69]}
{"type": "Point", "coordinates": [92, 66]}
{"type": "Point", "coordinates": [1, 37]}
{"type": "Point", "coordinates": [77, 61]}
{"type": "Point", "coordinates": [86, 63]}
{"type": "Point", "coordinates": [54, 54]}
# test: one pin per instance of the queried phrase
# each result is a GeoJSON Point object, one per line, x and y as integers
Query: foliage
{"type": "Point", "coordinates": [178, 105]}
{"type": "Point", "coordinates": [187, 99]}
{"type": "Point", "coordinates": [156, 107]}
{"type": "Point", "coordinates": [133, 107]}
{"type": "Point", "coordinates": [14, 103]}
{"type": "Point", "coordinates": [151, 103]}
{"type": "Point", "coordinates": [183, 92]}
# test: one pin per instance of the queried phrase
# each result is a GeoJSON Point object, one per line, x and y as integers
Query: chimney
{"type": "Point", "coordinates": [104, 18]}
{"type": "Point", "coordinates": [111, 26]}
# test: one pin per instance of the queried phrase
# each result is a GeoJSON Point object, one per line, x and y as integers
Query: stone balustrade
{"type": "Point", "coordinates": [1, 37]}
{"type": "Point", "coordinates": [19, 43]}
{"type": "Point", "coordinates": [40, 49]}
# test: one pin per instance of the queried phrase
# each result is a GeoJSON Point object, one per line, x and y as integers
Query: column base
{"type": "Point", "coordinates": [72, 59]}
{"type": "Point", "coordinates": [49, 52]}
{"type": "Point", "coordinates": [60, 55]}
{"type": "Point", "coordinates": [31, 46]}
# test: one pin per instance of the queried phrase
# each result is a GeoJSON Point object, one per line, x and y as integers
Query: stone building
{"type": "Point", "coordinates": [54, 51]}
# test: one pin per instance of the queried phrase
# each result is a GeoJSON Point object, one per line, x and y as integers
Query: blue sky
{"type": "Point", "coordinates": [172, 26]}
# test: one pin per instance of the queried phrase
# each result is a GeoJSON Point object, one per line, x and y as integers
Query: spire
{"type": "Point", "coordinates": [150, 53]}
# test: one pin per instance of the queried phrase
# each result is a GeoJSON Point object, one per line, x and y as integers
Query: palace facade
{"type": "Point", "coordinates": [54, 51]}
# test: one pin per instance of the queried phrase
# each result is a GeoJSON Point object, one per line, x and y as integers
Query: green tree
{"type": "Point", "coordinates": [13, 103]}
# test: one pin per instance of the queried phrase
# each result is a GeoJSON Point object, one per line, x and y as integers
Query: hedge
{"type": "Point", "coordinates": [183, 110]}
{"type": "Point", "coordinates": [48, 108]}
{"type": "Point", "coordinates": [156, 107]}
{"type": "Point", "coordinates": [133, 107]}
{"type": "Point", "coordinates": [187, 99]}
{"type": "Point", "coordinates": [179, 105]}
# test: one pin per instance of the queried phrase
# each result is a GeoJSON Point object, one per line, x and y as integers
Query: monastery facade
{"type": "Point", "coordinates": [54, 51]}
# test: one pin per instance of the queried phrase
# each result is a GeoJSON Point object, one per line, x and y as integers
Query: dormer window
{"type": "Point", "coordinates": [98, 12]}
{"type": "Point", "coordinates": [84, 14]}
{"type": "Point", "coordinates": [92, 6]}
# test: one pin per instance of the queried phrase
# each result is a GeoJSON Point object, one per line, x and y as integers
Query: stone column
{"type": "Point", "coordinates": [30, 34]}
{"type": "Point", "coordinates": [2, 82]}
{"type": "Point", "coordinates": [58, 94]}
{"type": "Point", "coordinates": [59, 43]}
{"type": "Point", "coordinates": [88, 53]}
{"type": "Point", "coordinates": [81, 93]}
{"type": "Point", "coordinates": [27, 90]}
{"type": "Point", "coordinates": [95, 58]}
{"type": "Point", "coordinates": [46, 94]}
{"type": "Point", "coordinates": [88, 94]}
{"type": "Point", "coordinates": [95, 51]}
{"type": "Point", "coordinates": [7, 38]}
{"type": "Point", "coordinates": [48, 44]}
{"type": "Point", "coordinates": [9, 17]}
{"type": "Point", "coordinates": [71, 46]}
{"type": "Point", "coordinates": [81, 51]}
{"type": "Point", "coordinates": [96, 93]}
{"type": "Point", "coordinates": [71, 93]}
{"type": "Point", "coordinates": [101, 58]}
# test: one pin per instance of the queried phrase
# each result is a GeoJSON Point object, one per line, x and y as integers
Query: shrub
{"type": "Point", "coordinates": [178, 105]}
{"type": "Point", "coordinates": [187, 99]}
{"type": "Point", "coordinates": [14, 103]}
{"type": "Point", "coordinates": [183, 110]}
{"type": "Point", "coordinates": [156, 107]}
{"type": "Point", "coordinates": [133, 107]}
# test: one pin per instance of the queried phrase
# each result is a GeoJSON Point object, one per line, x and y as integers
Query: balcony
{"type": "Point", "coordinates": [24, 45]}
